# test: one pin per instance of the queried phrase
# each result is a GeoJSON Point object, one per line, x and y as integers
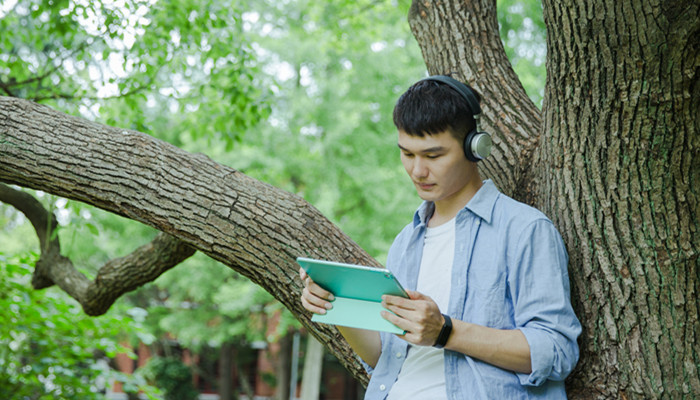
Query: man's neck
{"type": "Point", "coordinates": [447, 209]}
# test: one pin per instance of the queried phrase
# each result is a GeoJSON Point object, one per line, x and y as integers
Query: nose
{"type": "Point", "coordinates": [419, 168]}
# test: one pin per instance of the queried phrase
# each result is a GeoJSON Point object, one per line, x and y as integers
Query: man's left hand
{"type": "Point", "coordinates": [418, 315]}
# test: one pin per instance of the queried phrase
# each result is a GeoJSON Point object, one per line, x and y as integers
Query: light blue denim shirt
{"type": "Point", "coordinates": [509, 272]}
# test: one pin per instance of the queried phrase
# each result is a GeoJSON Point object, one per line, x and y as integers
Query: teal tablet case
{"type": "Point", "coordinates": [358, 293]}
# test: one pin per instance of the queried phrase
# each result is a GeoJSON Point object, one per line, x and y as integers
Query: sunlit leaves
{"type": "Point", "coordinates": [189, 59]}
{"type": "Point", "coordinates": [524, 35]}
{"type": "Point", "coordinates": [48, 347]}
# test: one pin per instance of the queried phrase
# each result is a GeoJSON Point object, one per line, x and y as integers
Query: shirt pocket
{"type": "Point", "coordinates": [487, 302]}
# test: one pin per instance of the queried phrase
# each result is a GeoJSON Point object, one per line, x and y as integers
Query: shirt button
{"type": "Point", "coordinates": [382, 387]}
{"type": "Point", "coordinates": [398, 355]}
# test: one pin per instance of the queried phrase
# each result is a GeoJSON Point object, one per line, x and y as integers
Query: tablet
{"type": "Point", "coordinates": [358, 293]}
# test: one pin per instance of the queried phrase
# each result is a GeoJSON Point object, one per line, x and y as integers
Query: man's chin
{"type": "Point", "coordinates": [426, 196]}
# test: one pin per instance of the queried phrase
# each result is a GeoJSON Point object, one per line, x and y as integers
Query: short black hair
{"type": "Point", "coordinates": [430, 107]}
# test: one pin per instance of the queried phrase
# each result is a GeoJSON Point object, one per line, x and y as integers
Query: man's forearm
{"type": "Point", "coordinates": [367, 344]}
{"type": "Point", "coordinates": [507, 349]}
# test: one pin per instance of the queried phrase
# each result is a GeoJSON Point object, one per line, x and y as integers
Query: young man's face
{"type": "Point", "coordinates": [438, 168]}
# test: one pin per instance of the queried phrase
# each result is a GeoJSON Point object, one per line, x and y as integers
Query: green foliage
{"type": "Point", "coordinates": [524, 37]}
{"type": "Point", "coordinates": [17, 234]}
{"type": "Point", "coordinates": [212, 306]}
{"type": "Point", "coordinates": [125, 61]}
{"type": "Point", "coordinates": [48, 347]}
{"type": "Point", "coordinates": [172, 376]}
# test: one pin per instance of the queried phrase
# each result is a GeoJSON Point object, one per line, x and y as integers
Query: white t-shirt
{"type": "Point", "coordinates": [422, 375]}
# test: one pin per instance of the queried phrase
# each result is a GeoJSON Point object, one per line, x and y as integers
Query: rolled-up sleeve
{"type": "Point", "coordinates": [539, 286]}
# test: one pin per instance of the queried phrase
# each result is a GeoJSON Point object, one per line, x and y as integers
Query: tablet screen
{"type": "Point", "coordinates": [352, 281]}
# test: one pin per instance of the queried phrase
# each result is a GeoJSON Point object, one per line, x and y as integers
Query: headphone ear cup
{"type": "Point", "coordinates": [477, 146]}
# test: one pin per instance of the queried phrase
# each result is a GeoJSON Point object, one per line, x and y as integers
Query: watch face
{"type": "Point", "coordinates": [445, 332]}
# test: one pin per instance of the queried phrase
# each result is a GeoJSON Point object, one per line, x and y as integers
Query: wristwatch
{"type": "Point", "coordinates": [444, 332]}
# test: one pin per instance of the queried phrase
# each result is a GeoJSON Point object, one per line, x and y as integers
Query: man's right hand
{"type": "Point", "coordinates": [314, 298]}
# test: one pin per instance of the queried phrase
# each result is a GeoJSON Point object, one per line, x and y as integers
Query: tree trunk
{"type": "Point", "coordinates": [283, 367]}
{"type": "Point", "coordinates": [622, 174]}
{"type": "Point", "coordinates": [313, 369]}
{"type": "Point", "coordinates": [615, 164]}
{"type": "Point", "coordinates": [226, 371]}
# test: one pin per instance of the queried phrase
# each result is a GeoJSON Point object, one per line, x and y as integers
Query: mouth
{"type": "Point", "coordinates": [424, 186]}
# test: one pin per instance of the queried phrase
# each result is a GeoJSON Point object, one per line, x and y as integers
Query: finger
{"type": "Point", "coordinates": [310, 307]}
{"type": "Point", "coordinates": [396, 301]}
{"type": "Point", "coordinates": [397, 320]}
{"type": "Point", "coordinates": [415, 332]}
{"type": "Point", "coordinates": [421, 312]}
{"type": "Point", "coordinates": [314, 303]}
{"type": "Point", "coordinates": [315, 299]}
{"type": "Point", "coordinates": [412, 295]}
{"type": "Point", "coordinates": [313, 287]}
{"type": "Point", "coordinates": [417, 301]}
{"type": "Point", "coordinates": [409, 319]}
{"type": "Point", "coordinates": [406, 325]}
{"type": "Point", "coordinates": [318, 291]}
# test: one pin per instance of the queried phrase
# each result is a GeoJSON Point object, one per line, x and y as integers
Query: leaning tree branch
{"type": "Point", "coordinates": [113, 279]}
{"type": "Point", "coordinates": [252, 227]}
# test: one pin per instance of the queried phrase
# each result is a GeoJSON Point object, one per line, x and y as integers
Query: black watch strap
{"type": "Point", "coordinates": [444, 332]}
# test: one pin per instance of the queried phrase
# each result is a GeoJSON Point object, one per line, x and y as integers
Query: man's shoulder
{"type": "Point", "coordinates": [510, 211]}
{"type": "Point", "coordinates": [519, 224]}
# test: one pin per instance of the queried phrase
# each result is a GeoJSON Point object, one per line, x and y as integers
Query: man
{"type": "Point", "coordinates": [489, 315]}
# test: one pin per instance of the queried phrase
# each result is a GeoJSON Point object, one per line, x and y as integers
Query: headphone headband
{"type": "Point", "coordinates": [477, 144]}
{"type": "Point", "coordinates": [462, 89]}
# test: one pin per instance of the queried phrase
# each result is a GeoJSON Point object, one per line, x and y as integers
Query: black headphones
{"type": "Point", "coordinates": [477, 144]}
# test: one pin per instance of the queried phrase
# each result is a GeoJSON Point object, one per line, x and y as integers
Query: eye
{"type": "Point", "coordinates": [433, 156]}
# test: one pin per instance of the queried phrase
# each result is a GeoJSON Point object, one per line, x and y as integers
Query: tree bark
{"type": "Point", "coordinates": [614, 163]}
{"type": "Point", "coordinates": [252, 227]}
{"type": "Point", "coordinates": [621, 159]}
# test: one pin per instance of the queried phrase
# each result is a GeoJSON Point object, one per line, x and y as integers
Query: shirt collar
{"type": "Point", "coordinates": [484, 200]}
{"type": "Point", "coordinates": [424, 211]}
{"type": "Point", "coordinates": [481, 204]}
